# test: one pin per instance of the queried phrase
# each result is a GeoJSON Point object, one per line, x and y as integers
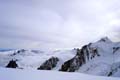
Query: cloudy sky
{"type": "Point", "coordinates": [49, 24]}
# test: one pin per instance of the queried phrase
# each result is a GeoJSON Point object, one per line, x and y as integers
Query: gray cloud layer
{"type": "Point", "coordinates": [57, 23]}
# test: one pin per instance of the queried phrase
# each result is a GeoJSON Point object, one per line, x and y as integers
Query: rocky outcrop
{"type": "Point", "coordinates": [18, 52]}
{"type": "Point", "coordinates": [74, 63]}
{"type": "Point", "coordinates": [83, 55]}
{"type": "Point", "coordinates": [67, 66]}
{"type": "Point", "coordinates": [115, 67]}
{"type": "Point", "coordinates": [105, 39]}
{"type": "Point", "coordinates": [12, 64]}
{"type": "Point", "coordinates": [115, 49]}
{"type": "Point", "coordinates": [49, 64]}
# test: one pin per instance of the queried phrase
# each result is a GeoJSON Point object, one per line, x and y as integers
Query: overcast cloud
{"type": "Point", "coordinates": [48, 24]}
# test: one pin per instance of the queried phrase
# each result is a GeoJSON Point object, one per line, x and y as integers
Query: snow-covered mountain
{"type": "Point", "coordinates": [32, 59]}
{"type": "Point", "coordinates": [99, 58]}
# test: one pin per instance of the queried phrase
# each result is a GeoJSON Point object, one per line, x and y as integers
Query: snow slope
{"type": "Point", "coordinates": [16, 74]}
{"type": "Point", "coordinates": [30, 59]}
{"type": "Point", "coordinates": [108, 61]}
{"type": "Point", "coordinates": [106, 64]}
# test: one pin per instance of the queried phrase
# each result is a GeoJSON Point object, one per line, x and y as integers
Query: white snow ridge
{"type": "Point", "coordinates": [95, 61]}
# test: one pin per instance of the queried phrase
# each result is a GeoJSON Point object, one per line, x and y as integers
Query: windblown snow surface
{"type": "Point", "coordinates": [15, 74]}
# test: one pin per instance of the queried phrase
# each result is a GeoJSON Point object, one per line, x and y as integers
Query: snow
{"type": "Point", "coordinates": [31, 60]}
{"type": "Point", "coordinates": [16, 74]}
{"type": "Point", "coordinates": [117, 73]}
{"type": "Point", "coordinates": [107, 60]}
{"type": "Point", "coordinates": [100, 65]}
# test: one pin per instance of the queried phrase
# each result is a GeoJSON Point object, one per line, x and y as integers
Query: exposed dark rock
{"type": "Point", "coordinates": [49, 64]}
{"type": "Point", "coordinates": [66, 65]}
{"type": "Point", "coordinates": [12, 64]}
{"type": "Point", "coordinates": [94, 52]}
{"type": "Point", "coordinates": [74, 63]}
{"type": "Point", "coordinates": [18, 52]}
{"type": "Point", "coordinates": [22, 50]}
{"type": "Point", "coordinates": [110, 74]}
{"type": "Point", "coordinates": [81, 58]}
{"type": "Point", "coordinates": [37, 51]}
{"type": "Point", "coordinates": [115, 49]}
{"type": "Point", "coordinates": [105, 39]}
{"type": "Point", "coordinates": [115, 67]}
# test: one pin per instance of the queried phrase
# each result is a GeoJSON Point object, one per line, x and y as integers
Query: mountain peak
{"type": "Point", "coordinates": [105, 39]}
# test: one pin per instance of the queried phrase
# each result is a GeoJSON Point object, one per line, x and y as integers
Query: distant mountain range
{"type": "Point", "coordinates": [3, 50]}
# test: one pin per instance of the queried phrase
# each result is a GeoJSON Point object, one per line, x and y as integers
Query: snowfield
{"type": "Point", "coordinates": [101, 58]}
{"type": "Point", "coordinates": [17, 74]}
{"type": "Point", "coordinates": [32, 60]}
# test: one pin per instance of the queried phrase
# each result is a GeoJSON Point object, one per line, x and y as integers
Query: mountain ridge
{"type": "Point", "coordinates": [99, 58]}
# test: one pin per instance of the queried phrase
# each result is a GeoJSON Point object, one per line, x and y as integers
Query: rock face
{"type": "Point", "coordinates": [12, 64]}
{"type": "Point", "coordinates": [83, 55]}
{"type": "Point", "coordinates": [115, 49]}
{"type": "Point", "coordinates": [74, 63]}
{"type": "Point", "coordinates": [105, 39]}
{"type": "Point", "coordinates": [49, 64]}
